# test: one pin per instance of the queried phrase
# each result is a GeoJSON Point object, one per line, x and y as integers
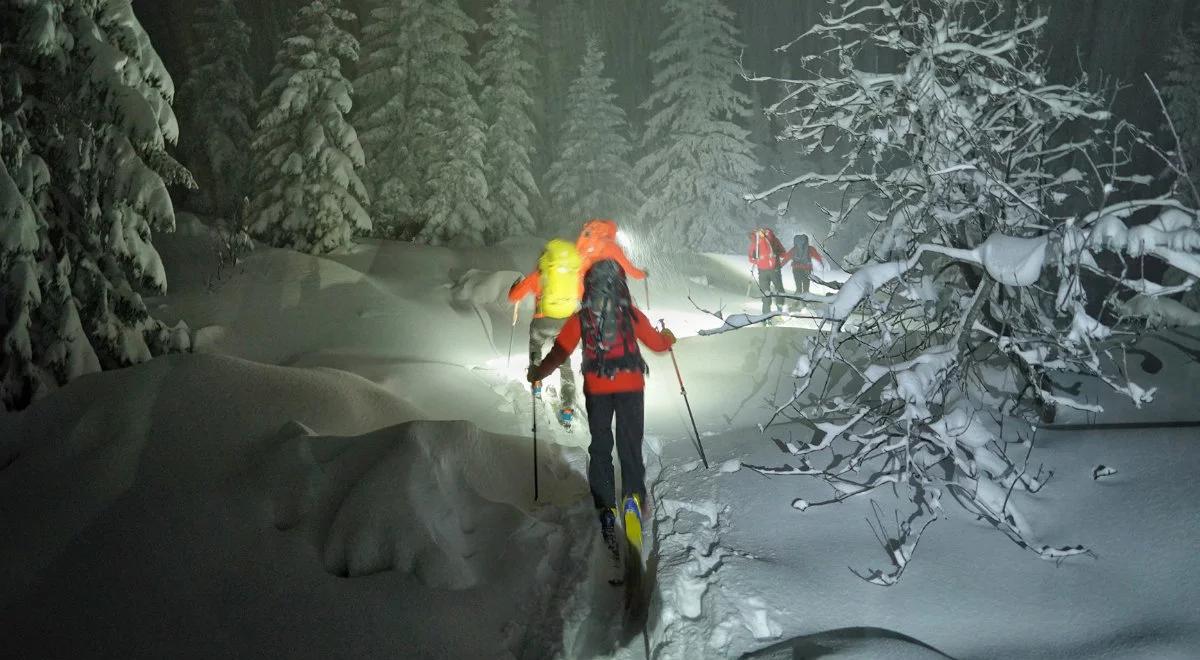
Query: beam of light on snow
{"type": "Point", "coordinates": [509, 369]}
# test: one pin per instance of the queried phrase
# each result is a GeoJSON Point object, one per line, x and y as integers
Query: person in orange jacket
{"type": "Point", "coordinates": [610, 327]}
{"type": "Point", "coordinates": [768, 257]}
{"type": "Point", "coordinates": [598, 241]}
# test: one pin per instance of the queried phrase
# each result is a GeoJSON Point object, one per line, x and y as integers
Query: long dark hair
{"type": "Point", "coordinates": [606, 317]}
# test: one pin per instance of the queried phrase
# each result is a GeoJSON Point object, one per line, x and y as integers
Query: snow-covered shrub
{"type": "Point", "coordinates": [982, 276]}
{"type": "Point", "coordinates": [591, 176]}
{"type": "Point", "coordinates": [219, 99]}
{"type": "Point", "coordinates": [231, 242]}
{"type": "Point", "coordinates": [699, 160]}
{"type": "Point", "coordinates": [507, 98]}
{"type": "Point", "coordinates": [423, 130]}
{"type": "Point", "coordinates": [306, 154]}
{"type": "Point", "coordinates": [85, 120]}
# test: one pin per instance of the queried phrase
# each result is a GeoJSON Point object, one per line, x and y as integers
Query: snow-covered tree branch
{"type": "Point", "coordinates": [85, 122]}
{"type": "Point", "coordinates": [994, 260]}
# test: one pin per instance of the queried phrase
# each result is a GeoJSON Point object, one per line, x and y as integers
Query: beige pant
{"type": "Point", "coordinates": [542, 333]}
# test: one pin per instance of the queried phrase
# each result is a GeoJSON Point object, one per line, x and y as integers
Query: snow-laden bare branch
{"type": "Point", "coordinates": [985, 271]}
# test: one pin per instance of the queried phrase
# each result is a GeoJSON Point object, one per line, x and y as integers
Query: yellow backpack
{"type": "Point", "coordinates": [559, 277]}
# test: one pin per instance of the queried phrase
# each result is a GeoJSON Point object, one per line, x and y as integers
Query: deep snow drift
{"type": "Point", "coordinates": [344, 470]}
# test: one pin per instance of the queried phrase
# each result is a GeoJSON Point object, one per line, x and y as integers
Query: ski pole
{"type": "Point", "coordinates": [646, 281]}
{"type": "Point", "coordinates": [511, 334]}
{"type": "Point", "coordinates": [533, 409]}
{"type": "Point", "coordinates": [683, 391]}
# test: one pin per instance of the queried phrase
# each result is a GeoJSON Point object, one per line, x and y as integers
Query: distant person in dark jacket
{"type": "Point", "coordinates": [803, 256]}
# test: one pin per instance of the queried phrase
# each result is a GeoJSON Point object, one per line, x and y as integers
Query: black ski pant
{"type": "Point", "coordinates": [802, 279]}
{"type": "Point", "coordinates": [629, 409]}
{"type": "Point", "coordinates": [802, 283]}
{"type": "Point", "coordinates": [767, 280]}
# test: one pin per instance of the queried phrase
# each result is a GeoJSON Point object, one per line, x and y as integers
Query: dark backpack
{"type": "Point", "coordinates": [800, 252]}
{"type": "Point", "coordinates": [606, 323]}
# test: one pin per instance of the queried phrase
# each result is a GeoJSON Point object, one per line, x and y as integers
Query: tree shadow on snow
{"type": "Point", "coordinates": [855, 642]}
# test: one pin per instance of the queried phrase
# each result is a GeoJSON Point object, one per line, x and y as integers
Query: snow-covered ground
{"type": "Point", "coordinates": [344, 469]}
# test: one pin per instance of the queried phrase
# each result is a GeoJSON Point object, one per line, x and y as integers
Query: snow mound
{"type": "Point", "coordinates": [255, 489]}
{"type": "Point", "coordinates": [860, 643]}
{"type": "Point", "coordinates": [413, 497]}
{"type": "Point", "coordinates": [483, 287]}
{"type": "Point", "coordinates": [178, 420]}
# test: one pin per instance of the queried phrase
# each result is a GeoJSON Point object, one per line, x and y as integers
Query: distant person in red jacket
{"type": "Point", "coordinates": [610, 328]}
{"type": "Point", "coordinates": [767, 256]}
{"type": "Point", "coordinates": [803, 255]}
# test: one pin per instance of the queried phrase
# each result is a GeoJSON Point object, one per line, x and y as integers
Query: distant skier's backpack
{"type": "Point", "coordinates": [558, 269]}
{"type": "Point", "coordinates": [801, 255]}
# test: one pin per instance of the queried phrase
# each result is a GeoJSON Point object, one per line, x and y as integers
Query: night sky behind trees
{"type": "Point", "coordinates": [1117, 39]}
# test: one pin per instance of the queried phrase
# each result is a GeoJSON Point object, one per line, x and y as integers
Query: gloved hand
{"type": "Point", "coordinates": [670, 337]}
{"type": "Point", "coordinates": [531, 374]}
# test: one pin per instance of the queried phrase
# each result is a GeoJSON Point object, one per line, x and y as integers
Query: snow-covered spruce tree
{"type": "Point", "coordinates": [507, 98]}
{"type": "Point", "coordinates": [698, 160]}
{"type": "Point", "coordinates": [561, 32]}
{"type": "Point", "coordinates": [218, 103]}
{"type": "Point", "coordinates": [306, 154]}
{"type": "Point", "coordinates": [591, 176]}
{"type": "Point", "coordinates": [85, 120]}
{"type": "Point", "coordinates": [380, 114]}
{"type": "Point", "coordinates": [1182, 94]}
{"type": "Point", "coordinates": [446, 125]}
{"type": "Point", "coordinates": [982, 278]}
{"type": "Point", "coordinates": [418, 80]}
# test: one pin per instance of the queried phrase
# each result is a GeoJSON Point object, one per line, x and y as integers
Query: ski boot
{"type": "Point", "coordinates": [633, 521]}
{"type": "Point", "coordinates": [608, 531]}
{"type": "Point", "coordinates": [566, 417]}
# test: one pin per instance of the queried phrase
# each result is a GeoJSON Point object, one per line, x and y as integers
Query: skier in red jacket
{"type": "Point", "coordinates": [768, 257]}
{"type": "Point", "coordinates": [610, 328]}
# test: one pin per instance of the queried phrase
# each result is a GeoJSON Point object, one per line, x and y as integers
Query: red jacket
{"type": "Point", "coordinates": [623, 381]}
{"type": "Point", "coordinates": [801, 265]}
{"type": "Point", "coordinates": [766, 252]}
